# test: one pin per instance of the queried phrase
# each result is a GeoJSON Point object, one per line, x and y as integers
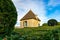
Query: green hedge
{"type": "Point", "coordinates": [38, 34]}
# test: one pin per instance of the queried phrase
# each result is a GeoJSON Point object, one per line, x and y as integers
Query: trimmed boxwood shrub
{"type": "Point", "coordinates": [8, 16]}
{"type": "Point", "coordinates": [52, 22]}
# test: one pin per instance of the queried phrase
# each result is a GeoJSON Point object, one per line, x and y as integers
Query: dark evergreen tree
{"type": "Point", "coordinates": [8, 16]}
{"type": "Point", "coordinates": [52, 22]}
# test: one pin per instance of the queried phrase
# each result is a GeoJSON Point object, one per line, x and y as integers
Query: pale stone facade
{"type": "Point", "coordinates": [28, 21]}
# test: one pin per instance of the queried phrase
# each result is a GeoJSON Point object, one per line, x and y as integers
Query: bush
{"type": "Point", "coordinates": [38, 34]}
{"type": "Point", "coordinates": [55, 34]}
{"type": "Point", "coordinates": [58, 23]}
{"type": "Point", "coordinates": [45, 24]}
{"type": "Point", "coordinates": [52, 22]}
{"type": "Point", "coordinates": [8, 17]}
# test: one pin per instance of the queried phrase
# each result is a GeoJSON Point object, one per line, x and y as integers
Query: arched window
{"type": "Point", "coordinates": [25, 24]}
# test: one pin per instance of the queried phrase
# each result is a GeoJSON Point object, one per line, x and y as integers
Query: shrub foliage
{"type": "Point", "coordinates": [8, 16]}
{"type": "Point", "coordinates": [52, 22]}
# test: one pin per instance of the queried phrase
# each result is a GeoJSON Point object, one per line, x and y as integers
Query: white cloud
{"type": "Point", "coordinates": [23, 6]}
{"type": "Point", "coordinates": [51, 6]}
{"type": "Point", "coordinates": [53, 2]}
{"type": "Point", "coordinates": [55, 15]}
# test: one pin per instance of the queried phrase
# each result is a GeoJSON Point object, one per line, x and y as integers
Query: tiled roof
{"type": "Point", "coordinates": [30, 15]}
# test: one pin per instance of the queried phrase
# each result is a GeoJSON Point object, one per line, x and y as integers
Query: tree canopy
{"type": "Point", "coordinates": [52, 22]}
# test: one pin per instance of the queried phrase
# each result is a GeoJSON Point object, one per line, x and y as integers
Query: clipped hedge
{"type": "Point", "coordinates": [8, 17]}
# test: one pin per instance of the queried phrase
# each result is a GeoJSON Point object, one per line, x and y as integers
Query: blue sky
{"type": "Point", "coordinates": [45, 9]}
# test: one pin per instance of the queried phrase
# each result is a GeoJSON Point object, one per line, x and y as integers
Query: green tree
{"type": "Point", "coordinates": [52, 22]}
{"type": "Point", "coordinates": [8, 17]}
